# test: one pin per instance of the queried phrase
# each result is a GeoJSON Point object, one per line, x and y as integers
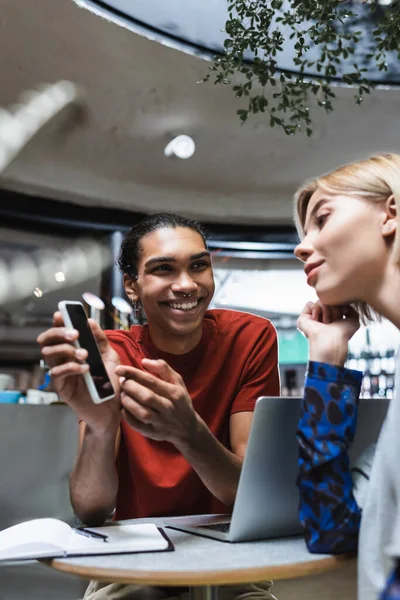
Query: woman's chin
{"type": "Point", "coordinates": [332, 297]}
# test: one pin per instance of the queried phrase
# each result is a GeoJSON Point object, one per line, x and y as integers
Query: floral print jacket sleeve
{"type": "Point", "coordinates": [328, 510]}
{"type": "Point", "coordinates": [392, 590]}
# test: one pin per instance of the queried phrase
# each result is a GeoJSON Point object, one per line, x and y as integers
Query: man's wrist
{"type": "Point", "coordinates": [102, 432]}
{"type": "Point", "coordinates": [190, 440]}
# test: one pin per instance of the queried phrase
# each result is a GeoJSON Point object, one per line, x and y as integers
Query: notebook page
{"type": "Point", "coordinates": [44, 537]}
{"type": "Point", "coordinates": [120, 538]}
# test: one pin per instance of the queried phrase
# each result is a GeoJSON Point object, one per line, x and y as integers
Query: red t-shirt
{"type": "Point", "coordinates": [234, 363]}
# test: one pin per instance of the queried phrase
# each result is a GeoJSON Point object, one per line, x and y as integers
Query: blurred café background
{"type": "Point", "coordinates": [136, 131]}
{"type": "Point", "coordinates": [112, 154]}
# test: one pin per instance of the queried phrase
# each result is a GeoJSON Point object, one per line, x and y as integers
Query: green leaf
{"type": "Point", "coordinates": [266, 28]}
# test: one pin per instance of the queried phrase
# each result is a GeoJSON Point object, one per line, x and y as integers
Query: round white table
{"type": "Point", "coordinates": [203, 564]}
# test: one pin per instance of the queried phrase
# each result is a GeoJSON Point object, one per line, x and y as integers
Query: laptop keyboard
{"type": "Point", "coordinates": [223, 527]}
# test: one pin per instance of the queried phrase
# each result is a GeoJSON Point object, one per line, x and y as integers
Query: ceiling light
{"type": "Point", "coordinates": [181, 146]}
{"type": "Point", "coordinates": [59, 276]}
{"type": "Point", "coordinates": [29, 115]}
{"type": "Point", "coordinates": [93, 301]}
{"type": "Point", "coordinates": [121, 305]}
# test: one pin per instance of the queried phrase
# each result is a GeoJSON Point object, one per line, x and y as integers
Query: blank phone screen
{"type": "Point", "coordinates": [86, 340]}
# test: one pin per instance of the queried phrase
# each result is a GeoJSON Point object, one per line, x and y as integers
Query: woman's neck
{"type": "Point", "coordinates": [385, 298]}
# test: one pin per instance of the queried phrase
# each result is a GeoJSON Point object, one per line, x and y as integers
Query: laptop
{"type": "Point", "coordinates": [267, 499]}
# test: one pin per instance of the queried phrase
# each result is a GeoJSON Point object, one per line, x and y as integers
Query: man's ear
{"type": "Point", "coordinates": [389, 225]}
{"type": "Point", "coordinates": [131, 288]}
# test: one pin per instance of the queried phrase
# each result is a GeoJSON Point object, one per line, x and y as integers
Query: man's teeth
{"type": "Point", "coordinates": [184, 305]}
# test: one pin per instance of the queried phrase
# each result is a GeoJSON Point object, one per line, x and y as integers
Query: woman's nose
{"type": "Point", "coordinates": [303, 250]}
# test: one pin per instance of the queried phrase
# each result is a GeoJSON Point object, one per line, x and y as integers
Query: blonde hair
{"type": "Point", "coordinates": [375, 179]}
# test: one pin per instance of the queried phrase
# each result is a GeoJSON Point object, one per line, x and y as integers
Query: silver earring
{"type": "Point", "coordinates": [136, 306]}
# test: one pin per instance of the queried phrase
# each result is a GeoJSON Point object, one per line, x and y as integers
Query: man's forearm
{"type": "Point", "coordinates": [94, 480]}
{"type": "Point", "coordinates": [218, 468]}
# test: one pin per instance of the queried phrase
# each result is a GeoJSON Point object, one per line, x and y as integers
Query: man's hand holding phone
{"type": "Point", "coordinates": [157, 404]}
{"type": "Point", "coordinates": [69, 369]}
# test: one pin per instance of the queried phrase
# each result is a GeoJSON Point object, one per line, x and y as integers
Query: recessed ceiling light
{"type": "Point", "coordinates": [182, 146]}
{"type": "Point", "coordinates": [59, 276]}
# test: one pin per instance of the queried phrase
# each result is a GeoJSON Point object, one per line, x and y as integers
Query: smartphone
{"type": "Point", "coordinates": [97, 380]}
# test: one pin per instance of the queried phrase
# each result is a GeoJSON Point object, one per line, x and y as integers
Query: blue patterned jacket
{"type": "Point", "coordinates": [328, 510]}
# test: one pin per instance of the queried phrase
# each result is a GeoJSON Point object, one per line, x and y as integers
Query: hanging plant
{"type": "Point", "coordinates": [322, 43]}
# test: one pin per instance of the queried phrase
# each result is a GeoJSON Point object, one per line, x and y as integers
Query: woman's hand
{"type": "Point", "coordinates": [328, 329]}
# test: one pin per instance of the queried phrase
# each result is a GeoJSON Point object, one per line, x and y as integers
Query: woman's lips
{"type": "Point", "coordinates": [312, 272]}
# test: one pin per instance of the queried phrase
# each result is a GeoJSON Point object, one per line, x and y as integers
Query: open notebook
{"type": "Point", "coordinates": [50, 538]}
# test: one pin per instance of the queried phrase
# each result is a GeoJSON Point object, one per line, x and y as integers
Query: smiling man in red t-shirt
{"type": "Point", "coordinates": [186, 385]}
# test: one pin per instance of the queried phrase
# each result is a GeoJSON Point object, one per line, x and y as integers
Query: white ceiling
{"type": "Point", "coordinates": [138, 94]}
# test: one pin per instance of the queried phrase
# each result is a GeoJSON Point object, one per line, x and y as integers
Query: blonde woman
{"type": "Point", "coordinates": [350, 245]}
